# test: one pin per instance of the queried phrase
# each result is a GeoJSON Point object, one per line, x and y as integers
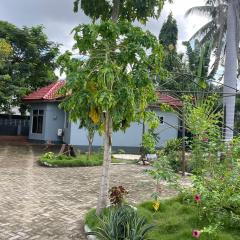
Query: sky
{"type": "Point", "coordinates": [58, 18]}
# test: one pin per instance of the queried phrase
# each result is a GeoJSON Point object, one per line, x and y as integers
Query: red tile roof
{"type": "Point", "coordinates": [49, 93]}
{"type": "Point", "coordinates": [168, 99]}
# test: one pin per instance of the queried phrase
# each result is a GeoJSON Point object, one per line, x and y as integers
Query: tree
{"type": "Point", "coordinates": [129, 10]}
{"type": "Point", "coordinates": [5, 50]}
{"type": "Point", "coordinates": [91, 128]}
{"type": "Point", "coordinates": [224, 30]}
{"type": "Point", "coordinates": [5, 88]}
{"type": "Point", "coordinates": [31, 64]}
{"type": "Point", "coordinates": [169, 33]}
{"type": "Point", "coordinates": [114, 83]}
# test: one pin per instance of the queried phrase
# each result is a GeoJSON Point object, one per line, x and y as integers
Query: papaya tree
{"type": "Point", "coordinates": [130, 10]}
{"type": "Point", "coordinates": [113, 83]}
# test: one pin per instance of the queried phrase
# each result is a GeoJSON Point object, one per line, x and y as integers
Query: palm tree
{"type": "Point", "coordinates": [223, 29]}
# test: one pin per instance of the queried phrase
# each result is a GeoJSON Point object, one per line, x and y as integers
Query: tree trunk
{"type": "Point", "coordinates": [230, 74]}
{"type": "Point", "coordinates": [90, 141]}
{"type": "Point", "coordinates": [183, 163]}
{"type": "Point", "coordinates": [104, 185]}
{"type": "Point", "coordinates": [115, 10]}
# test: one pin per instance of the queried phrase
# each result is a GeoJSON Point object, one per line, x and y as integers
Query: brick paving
{"type": "Point", "coordinates": [50, 203]}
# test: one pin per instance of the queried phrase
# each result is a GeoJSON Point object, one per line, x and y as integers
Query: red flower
{"type": "Point", "coordinates": [197, 198]}
{"type": "Point", "coordinates": [196, 233]}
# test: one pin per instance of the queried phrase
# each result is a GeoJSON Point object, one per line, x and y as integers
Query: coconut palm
{"type": "Point", "coordinates": [223, 29]}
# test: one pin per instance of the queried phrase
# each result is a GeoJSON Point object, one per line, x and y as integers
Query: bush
{"type": "Point", "coordinates": [121, 223]}
{"type": "Point", "coordinates": [220, 195]}
{"type": "Point", "coordinates": [53, 160]}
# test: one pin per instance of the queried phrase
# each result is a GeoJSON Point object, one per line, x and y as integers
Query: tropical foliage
{"type": "Point", "coordinates": [29, 63]}
{"type": "Point", "coordinates": [169, 33]}
{"type": "Point", "coordinates": [223, 30]}
{"type": "Point", "coordinates": [113, 85]}
{"type": "Point", "coordinates": [122, 223]}
{"type": "Point", "coordinates": [124, 10]}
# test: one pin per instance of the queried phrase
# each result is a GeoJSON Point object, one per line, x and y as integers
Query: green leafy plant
{"type": "Point", "coordinates": [161, 171]}
{"type": "Point", "coordinates": [122, 223]}
{"type": "Point", "coordinates": [203, 120]}
{"type": "Point", "coordinates": [220, 195]}
{"type": "Point", "coordinates": [113, 85]}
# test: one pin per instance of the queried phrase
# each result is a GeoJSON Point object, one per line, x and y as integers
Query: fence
{"type": "Point", "coordinates": [14, 125]}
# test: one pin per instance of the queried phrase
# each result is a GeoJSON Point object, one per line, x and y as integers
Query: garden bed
{"type": "Point", "coordinates": [175, 219]}
{"type": "Point", "coordinates": [81, 160]}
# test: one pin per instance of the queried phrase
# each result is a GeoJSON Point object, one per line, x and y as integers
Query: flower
{"type": "Point", "coordinates": [156, 205]}
{"type": "Point", "coordinates": [196, 233]}
{"type": "Point", "coordinates": [197, 198]}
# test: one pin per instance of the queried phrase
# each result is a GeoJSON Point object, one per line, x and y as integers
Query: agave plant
{"type": "Point", "coordinates": [122, 223]}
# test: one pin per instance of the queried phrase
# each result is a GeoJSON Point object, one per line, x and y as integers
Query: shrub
{"type": "Point", "coordinates": [122, 223]}
{"type": "Point", "coordinates": [53, 160]}
{"type": "Point", "coordinates": [220, 195]}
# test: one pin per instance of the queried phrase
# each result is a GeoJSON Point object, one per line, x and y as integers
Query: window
{"type": "Point", "coordinates": [161, 120]}
{"type": "Point", "coordinates": [37, 123]}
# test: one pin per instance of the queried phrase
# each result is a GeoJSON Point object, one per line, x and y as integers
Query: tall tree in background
{"type": "Point", "coordinates": [5, 88]}
{"type": "Point", "coordinates": [31, 64]}
{"type": "Point", "coordinates": [223, 29]}
{"type": "Point", "coordinates": [169, 33]}
{"type": "Point", "coordinates": [129, 10]}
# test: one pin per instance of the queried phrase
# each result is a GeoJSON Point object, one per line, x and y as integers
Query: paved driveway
{"type": "Point", "coordinates": [50, 203]}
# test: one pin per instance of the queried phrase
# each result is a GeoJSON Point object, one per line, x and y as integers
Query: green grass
{"type": "Point", "coordinates": [174, 221]}
{"type": "Point", "coordinates": [82, 160]}
{"type": "Point", "coordinates": [123, 161]}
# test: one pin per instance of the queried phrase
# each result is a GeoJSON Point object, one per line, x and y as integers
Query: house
{"type": "Point", "coordinates": [50, 123]}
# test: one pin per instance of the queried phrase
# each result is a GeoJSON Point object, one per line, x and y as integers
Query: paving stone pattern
{"type": "Point", "coordinates": [49, 203]}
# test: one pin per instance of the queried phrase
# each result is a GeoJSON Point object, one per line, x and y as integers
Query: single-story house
{"type": "Point", "coordinates": [50, 123]}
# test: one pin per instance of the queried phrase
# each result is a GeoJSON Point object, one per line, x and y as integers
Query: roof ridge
{"type": "Point", "coordinates": [55, 86]}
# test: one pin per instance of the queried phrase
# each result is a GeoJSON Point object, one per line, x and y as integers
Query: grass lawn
{"type": "Point", "coordinates": [82, 160]}
{"type": "Point", "coordinates": [173, 221]}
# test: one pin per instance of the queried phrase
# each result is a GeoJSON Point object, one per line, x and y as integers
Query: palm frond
{"type": "Point", "coordinates": [208, 27]}
{"type": "Point", "coordinates": [201, 10]}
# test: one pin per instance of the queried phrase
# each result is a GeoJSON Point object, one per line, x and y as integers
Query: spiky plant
{"type": "Point", "coordinates": [122, 223]}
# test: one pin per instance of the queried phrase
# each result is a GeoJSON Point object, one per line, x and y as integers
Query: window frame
{"type": "Point", "coordinates": [37, 114]}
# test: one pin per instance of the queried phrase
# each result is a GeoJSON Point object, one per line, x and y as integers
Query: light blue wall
{"type": "Point", "coordinates": [133, 135]}
{"type": "Point", "coordinates": [169, 129]}
{"type": "Point", "coordinates": [53, 120]}
{"type": "Point", "coordinates": [79, 136]}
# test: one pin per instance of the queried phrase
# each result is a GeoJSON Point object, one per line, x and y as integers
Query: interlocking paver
{"type": "Point", "coordinates": [50, 203]}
